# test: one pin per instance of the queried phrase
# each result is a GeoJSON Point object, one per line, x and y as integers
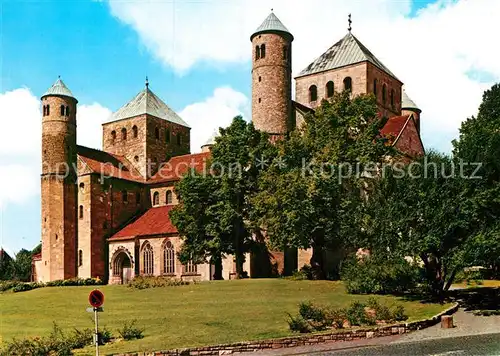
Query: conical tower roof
{"type": "Point", "coordinates": [211, 139]}
{"type": "Point", "coordinates": [59, 89]}
{"type": "Point", "coordinates": [272, 24]}
{"type": "Point", "coordinates": [407, 103]}
{"type": "Point", "coordinates": [146, 102]}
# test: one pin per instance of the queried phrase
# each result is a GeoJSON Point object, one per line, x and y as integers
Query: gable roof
{"type": "Point", "coordinates": [59, 89]}
{"type": "Point", "coordinates": [177, 166]}
{"type": "Point", "coordinates": [146, 102]}
{"type": "Point", "coordinates": [155, 221]}
{"type": "Point", "coordinates": [272, 24]}
{"type": "Point", "coordinates": [108, 164]}
{"type": "Point", "coordinates": [349, 50]}
{"type": "Point", "coordinates": [395, 127]}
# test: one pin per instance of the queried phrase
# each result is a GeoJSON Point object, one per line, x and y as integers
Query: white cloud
{"type": "Point", "coordinates": [431, 52]}
{"type": "Point", "coordinates": [216, 111]}
{"type": "Point", "coordinates": [89, 121]}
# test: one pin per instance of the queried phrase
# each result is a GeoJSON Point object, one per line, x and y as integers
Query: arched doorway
{"type": "Point", "coordinates": [122, 267]}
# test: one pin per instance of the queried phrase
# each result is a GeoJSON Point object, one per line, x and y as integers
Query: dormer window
{"type": "Point", "coordinates": [313, 93]}
{"type": "Point", "coordinates": [263, 51]}
{"type": "Point", "coordinates": [348, 84]}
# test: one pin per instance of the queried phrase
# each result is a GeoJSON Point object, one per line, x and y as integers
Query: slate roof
{"type": "Point", "coordinates": [155, 221]}
{"type": "Point", "coordinates": [211, 139]}
{"type": "Point", "coordinates": [407, 103]}
{"type": "Point", "coordinates": [59, 88]}
{"type": "Point", "coordinates": [107, 164]}
{"type": "Point", "coordinates": [177, 166]}
{"type": "Point", "coordinates": [349, 50]}
{"type": "Point", "coordinates": [146, 102]}
{"type": "Point", "coordinates": [271, 25]}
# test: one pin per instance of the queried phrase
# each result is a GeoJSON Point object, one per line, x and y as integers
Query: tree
{"type": "Point", "coordinates": [5, 266]}
{"type": "Point", "coordinates": [424, 211]}
{"type": "Point", "coordinates": [21, 266]}
{"type": "Point", "coordinates": [310, 197]}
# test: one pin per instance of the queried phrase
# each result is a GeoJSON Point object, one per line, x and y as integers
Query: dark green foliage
{"type": "Point", "coordinates": [21, 266]}
{"type": "Point", "coordinates": [131, 331]}
{"type": "Point", "coordinates": [304, 273]}
{"type": "Point", "coordinates": [372, 275]}
{"type": "Point", "coordinates": [398, 314]}
{"type": "Point", "coordinates": [16, 286]}
{"type": "Point", "coordinates": [311, 312]}
{"type": "Point", "coordinates": [5, 266]}
{"type": "Point", "coordinates": [298, 324]}
{"type": "Point", "coordinates": [356, 315]}
{"type": "Point", "coordinates": [140, 282]}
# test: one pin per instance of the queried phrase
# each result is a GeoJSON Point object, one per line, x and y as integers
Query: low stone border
{"type": "Point", "coordinates": [309, 339]}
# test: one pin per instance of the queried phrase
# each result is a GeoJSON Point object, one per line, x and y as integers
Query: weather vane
{"type": "Point", "coordinates": [350, 23]}
{"type": "Point", "coordinates": [147, 81]}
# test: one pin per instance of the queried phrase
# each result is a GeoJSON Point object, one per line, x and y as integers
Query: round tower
{"type": "Point", "coordinates": [272, 77]}
{"type": "Point", "coordinates": [58, 183]}
{"type": "Point", "coordinates": [408, 107]}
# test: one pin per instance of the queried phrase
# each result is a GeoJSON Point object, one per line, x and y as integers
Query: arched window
{"type": "Point", "coordinates": [392, 97]}
{"type": "Point", "coordinates": [348, 84]}
{"type": "Point", "coordinates": [80, 212]}
{"type": "Point", "coordinates": [375, 87]}
{"type": "Point", "coordinates": [138, 197]}
{"type": "Point", "coordinates": [329, 89]}
{"type": "Point", "coordinates": [313, 93]}
{"type": "Point", "coordinates": [156, 198]}
{"type": "Point", "coordinates": [179, 139]}
{"type": "Point", "coordinates": [148, 259]}
{"type": "Point", "coordinates": [44, 110]}
{"type": "Point", "coordinates": [169, 197]}
{"type": "Point", "coordinates": [124, 133]}
{"type": "Point", "coordinates": [263, 51]}
{"type": "Point", "coordinates": [285, 53]}
{"type": "Point", "coordinates": [80, 257]}
{"type": "Point", "coordinates": [124, 196]}
{"type": "Point", "coordinates": [257, 52]}
{"type": "Point", "coordinates": [48, 110]}
{"type": "Point", "coordinates": [168, 258]}
{"type": "Point", "coordinates": [134, 131]}
{"type": "Point", "coordinates": [384, 93]}
{"type": "Point", "coordinates": [113, 135]}
{"type": "Point", "coordinates": [157, 133]}
{"type": "Point", "coordinates": [67, 110]}
{"type": "Point", "coordinates": [62, 110]}
{"type": "Point", "coordinates": [167, 136]}
{"type": "Point", "coordinates": [82, 187]}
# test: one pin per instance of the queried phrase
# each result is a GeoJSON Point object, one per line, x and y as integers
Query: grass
{"type": "Point", "coordinates": [486, 283]}
{"type": "Point", "coordinates": [174, 317]}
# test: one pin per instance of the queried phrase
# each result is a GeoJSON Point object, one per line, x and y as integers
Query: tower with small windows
{"type": "Point", "coordinates": [58, 183]}
{"type": "Point", "coordinates": [272, 77]}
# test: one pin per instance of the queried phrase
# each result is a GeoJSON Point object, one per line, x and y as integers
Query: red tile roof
{"type": "Point", "coordinates": [108, 164]}
{"type": "Point", "coordinates": [155, 221]}
{"type": "Point", "coordinates": [177, 166]}
{"type": "Point", "coordinates": [394, 126]}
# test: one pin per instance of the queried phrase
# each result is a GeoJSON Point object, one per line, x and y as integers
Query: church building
{"type": "Point", "coordinates": [105, 213]}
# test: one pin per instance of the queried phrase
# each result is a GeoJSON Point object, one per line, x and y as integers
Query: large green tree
{"type": "Point", "coordinates": [311, 195]}
{"type": "Point", "coordinates": [21, 265]}
{"type": "Point", "coordinates": [5, 265]}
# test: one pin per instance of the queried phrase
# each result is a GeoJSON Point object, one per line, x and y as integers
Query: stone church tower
{"type": "Point", "coordinates": [272, 77]}
{"type": "Point", "coordinates": [59, 194]}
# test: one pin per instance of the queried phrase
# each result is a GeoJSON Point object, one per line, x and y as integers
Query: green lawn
{"type": "Point", "coordinates": [194, 315]}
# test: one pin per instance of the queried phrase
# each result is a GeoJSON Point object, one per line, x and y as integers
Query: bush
{"type": "Point", "coordinates": [16, 286]}
{"type": "Point", "coordinates": [298, 324]}
{"type": "Point", "coordinates": [336, 317]}
{"type": "Point", "coordinates": [399, 314]}
{"type": "Point", "coordinates": [141, 282]}
{"type": "Point", "coordinates": [131, 331]}
{"type": "Point", "coordinates": [370, 275]}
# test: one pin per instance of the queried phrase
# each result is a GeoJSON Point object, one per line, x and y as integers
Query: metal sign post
{"type": "Point", "coordinates": [96, 333]}
{"type": "Point", "coordinates": [96, 299]}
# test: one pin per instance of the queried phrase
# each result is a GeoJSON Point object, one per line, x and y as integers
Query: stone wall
{"type": "Point", "coordinates": [391, 83]}
{"type": "Point", "coordinates": [409, 141]}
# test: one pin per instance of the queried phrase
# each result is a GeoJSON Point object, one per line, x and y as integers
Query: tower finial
{"type": "Point", "coordinates": [272, 10]}
{"type": "Point", "coordinates": [147, 82]}
{"type": "Point", "coordinates": [350, 23]}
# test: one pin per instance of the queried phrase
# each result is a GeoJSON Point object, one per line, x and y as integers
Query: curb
{"type": "Point", "coordinates": [302, 340]}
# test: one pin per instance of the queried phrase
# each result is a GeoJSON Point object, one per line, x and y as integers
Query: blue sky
{"type": "Point", "coordinates": [196, 58]}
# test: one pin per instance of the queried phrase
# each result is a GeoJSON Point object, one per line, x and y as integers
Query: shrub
{"type": "Point", "coordinates": [398, 314]}
{"type": "Point", "coordinates": [141, 282]}
{"type": "Point", "coordinates": [336, 317]}
{"type": "Point", "coordinates": [105, 336]}
{"type": "Point", "coordinates": [356, 314]}
{"type": "Point", "coordinates": [131, 331]}
{"type": "Point", "coordinates": [370, 275]}
{"type": "Point", "coordinates": [298, 324]}
{"type": "Point", "coordinates": [382, 312]}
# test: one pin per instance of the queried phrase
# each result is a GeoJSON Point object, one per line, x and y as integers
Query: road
{"type": "Point", "coordinates": [487, 344]}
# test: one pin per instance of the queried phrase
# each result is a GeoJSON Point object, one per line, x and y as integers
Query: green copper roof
{"type": "Point", "coordinates": [349, 50]}
{"type": "Point", "coordinates": [146, 102]}
{"type": "Point", "coordinates": [270, 25]}
{"type": "Point", "coordinates": [408, 103]}
{"type": "Point", "coordinates": [59, 88]}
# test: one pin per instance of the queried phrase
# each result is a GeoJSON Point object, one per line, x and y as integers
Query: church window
{"type": "Point", "coordinates": [124, 196]}
{"type": "Point", "coordinates": [81, 212]}
{"type": "Point", "coordinates": [167, 136]}
{"type": "Point", "coordinates": [375, 87]}
{"type": "Point", "coordinates": [329, 89]}
{"type": "Point", "coordinates": [156, 198]}
{"type": "Point", "coordinates": [384, 93]}
{"type": "Point", "coordinates": [80, 257]}
{"type": "Point", "coordinates": [124, 133]}
{"type": "Point", "coordinates": [179, 139]}
{"type": "Point", "coordinates": [257, 52]}
{"type": "Point", "coordinates": [392, 98]}
{"type": "Point", "coordinates": [169, 197]}
{"type": "Point", "coordinates": [168, 258]}
{"type": "Point", "coordinates": [263, 51]}
{"type": "Point", "coordinates": [62, 110]}
{"type": "Point", "coordinates": [157, 133]}
{"type": "Point", "coordinates": [134, 131]}
{"type": "Point", "coordinates": [313, 93]}
{"type": "Point", "coordinates": [138, 197]}
{"type": "Point", "coordinates": [67, 110]}
{"type": "Point", "coordinates": [48, 110]}
{"type": "Point", "coordinates": [148, 259]}
{"type": "Point", "coordinates": [348, 84]}
{"type": "Point", "coordinates": [113, 135]}
{"type": "Point", "coordinates": [190, 268]}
